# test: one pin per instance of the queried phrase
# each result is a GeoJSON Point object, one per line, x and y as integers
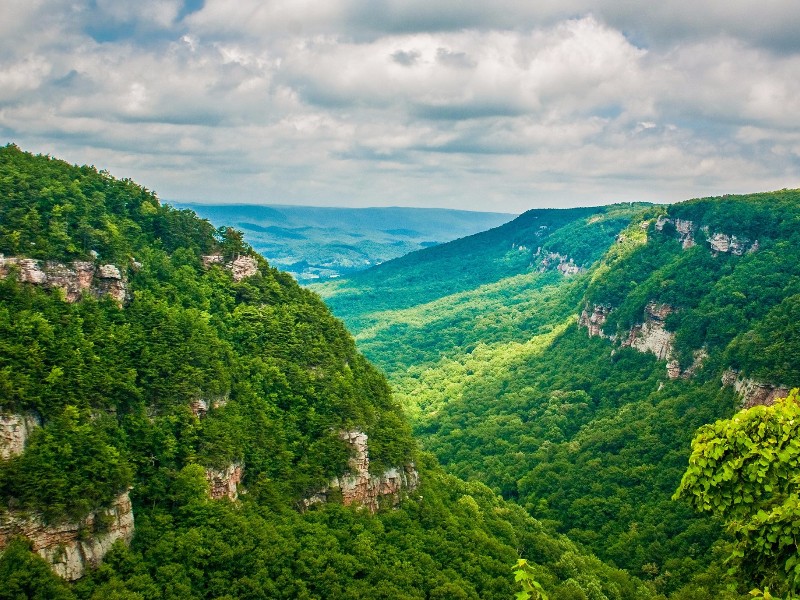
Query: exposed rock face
{"type": "Point", "coordinates": [684, 228]}
{"type": "Point", "coordinates": [14, 432]}
{"type": "Point", "coordinates": [67, 547]}
{"type": "Point", "coordinates": [594, 321]}
{"type": "Point", "coordinates": [721, 242]}
{"type": "Point", "coordinates": [241, 267]}
{"type": "Point", "coordinates": [651, 336]}
{"type": "Point", "coordinates": [225, 483]}
{"type": "Point", "coordinates": [718, 242]}
{"type": "Point", "coordinates": [563, 264]}
{"type": "Point", "coordinates": [73, 279]}
{"type": "Point", "coordinates": [753, 393]}
{"type": "Point", "coordinates": [200, 406]}
{"type": "Point", "coordinates": [361, 488]}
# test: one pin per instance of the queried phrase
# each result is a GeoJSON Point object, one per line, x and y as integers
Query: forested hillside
{"type": "Point", "coordinates": [577, 394]}
{"type": "Point", "coordinates": [180, 420]}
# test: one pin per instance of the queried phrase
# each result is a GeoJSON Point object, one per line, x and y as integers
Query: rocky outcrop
{"type": "Point", "coordinates": [685, 229]}
{"type": "Point", "coordinates": [72, 548]}
{"type": "Point", "coordinates": [752, 392]}
{"type": "Point", "coordinates": [73, 279]}
{"type": "Point", "coordinates": [594, 320]}
{"type": "Point", "coordinates": [723, 243]}
{"type": "Point", "coordinates": [14, 433]}
{"type": "Point", "coordinates": [200, 406]}
{"type": "Point", "coordinates": [359, 487]}
{"type": "Point", "coordinates": [651, 336]}
{"type": "Point", "coordinates": [241, 267]}
{"type": "Point", "coordinates": [563, 264]}
{"type": "Point", "coordinates": [718, 242]}
{"type": "Point", "coordinates": [224, 483]}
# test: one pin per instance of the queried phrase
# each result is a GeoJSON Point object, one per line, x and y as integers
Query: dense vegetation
{"type": "Point", "coordinates": [590, 437]}
{"type": "Point", "coordinates": [487, 288]}
{"type": "Point", "coordinates": [113, 386]}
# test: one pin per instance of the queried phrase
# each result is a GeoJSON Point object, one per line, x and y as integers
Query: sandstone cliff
{"type": "Point", "coordinates": [594, 320]}
{"type": "Point", "coordinates": [224, 483]}
{"type": "Point", "coordinates": [563, 264]}
{"type": "Point", "coordinates": [359, 487]}
{"type": "Point", "coordinates": [74, 279]}
{"type": "Point", "coordinates": [240, 267]}
{"type": "Point", "coordinates": [72, 548]}
{"type": "Point", "coordinates": [650, 335]}
{"type": "Point", "coordinates": [14, 433]}
{"type": "Point", "coordinates": [751, 392]}
{"type": "Point", "coordinates": [718, 242]}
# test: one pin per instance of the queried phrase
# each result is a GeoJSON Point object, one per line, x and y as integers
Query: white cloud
{"type": "Point", "coordinates": [364, 103]}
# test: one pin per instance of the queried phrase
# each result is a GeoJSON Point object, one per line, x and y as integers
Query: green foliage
{"type": "Point", "coordinates": [25, 575]}
{"type": "Point", "coordinates": [277, 376]}
{"type": "Point", "coordinates": [524, 575]}
{"type": "Point", "coordinates": [68, 469]}
{"type": "Point", "coordinates": [589, 442]}
{"type": "Point", "coordinates": [746, 470]}
{"type": "Point", "coordinates": [480, 259]}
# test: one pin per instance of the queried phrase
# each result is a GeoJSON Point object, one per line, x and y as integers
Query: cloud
{"type": "Point", "coordinates": [419, 103]}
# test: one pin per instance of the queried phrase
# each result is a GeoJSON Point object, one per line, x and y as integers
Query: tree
{"type": "Point", "coordinates": [746, 470]}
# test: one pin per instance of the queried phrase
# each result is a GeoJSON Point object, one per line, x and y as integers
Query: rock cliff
{"type": "Point", "coordinates": [224, 483]}
{"type": "Point", "coordinates": [72, 548]}
{"type": "Point", "coordinates": [594, 320]}
{"type": "Point", "coordinates": [241, 267]}
{"type": "Point", "coordinates": [14, 432]}
{"type": "Point", "coordinates": [74, 279]}
{"type": "Point", "coordinates": [563, 264]}
{"type": "Point", "coordinates": [718, 242]}
{"type": "Point", "coordinates": [359, 487]}
{"type": "Point", "coordinates": [684, 228]}
{"type": "Point", "coordinates": [752, 392]}
{"type": "Point", "coordinates": [651, 336]}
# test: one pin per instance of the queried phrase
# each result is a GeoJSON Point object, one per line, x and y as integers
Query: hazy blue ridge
{"type": "Point", "coordinates": [318, 243]}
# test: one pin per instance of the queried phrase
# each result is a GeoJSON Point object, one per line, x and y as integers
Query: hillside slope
{"type": "Point", "coordinates": [179, 420]}
{"type": "Point", "coordinates": [579, 400]}
{"type": "Point", "coordinates": [500, 285]}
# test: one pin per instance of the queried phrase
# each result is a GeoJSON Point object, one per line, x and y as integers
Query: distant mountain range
{"type": "Point", "coordinates": [319, 243]}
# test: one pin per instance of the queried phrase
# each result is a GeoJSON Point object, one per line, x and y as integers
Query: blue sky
{"type": "Point", "coordinates": [502, 106]}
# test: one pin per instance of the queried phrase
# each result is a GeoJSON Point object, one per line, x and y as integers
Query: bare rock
{"type": "Point", "coordinates": [358, 487]}
{"type": "Point", "coordinates": [212, 259]}
{"type": "Point", "coordinates": [684, 227]}
{"type": "Point", "coordinates": [721, 242]}
{"type": "Point", "coordinates": [651, 336]}
{"type": "Point", "coordinates": [72, 279]}
{"type": "Point", "coordinates": [225, 483]}
{"type": "Point", "coordinates": [14, 433]}
{"type": "Point", "coordinates": [752, 392]}
{"type": "Point", "coordinates": [199, 407]}
{"type": "Point", "coordinates": [242, 267]}
{"type": "Point", "coordinates": [67, 547]}
{"type": "Point", "coordinates": [594, 320]}
{"type": "Point", "coordinates": [563, 264]}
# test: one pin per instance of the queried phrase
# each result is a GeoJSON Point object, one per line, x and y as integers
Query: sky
{"type": "Point", "coordinates": [499, 106]}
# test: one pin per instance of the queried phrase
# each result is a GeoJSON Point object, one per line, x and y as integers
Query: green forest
{"type": "Point", "coordinates": [588, 434]}
{"type": "Point", "coordinates": [551, 464]}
